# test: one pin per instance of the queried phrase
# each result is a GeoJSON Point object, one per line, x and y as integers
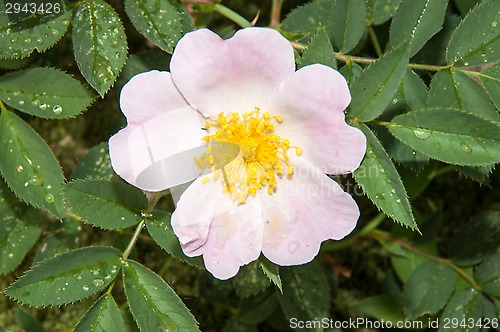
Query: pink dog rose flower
{"type": "Point", "coordinates": [257, 138]}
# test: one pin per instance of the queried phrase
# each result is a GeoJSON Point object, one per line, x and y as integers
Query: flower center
{"type": "Point", "coordinates": [246, 153]}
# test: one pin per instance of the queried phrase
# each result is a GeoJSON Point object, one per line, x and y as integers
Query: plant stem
{"type": "Point", "coordinates": [373, 224]}
{"type": "Point", "coordinates": [375, 42]}
{"type": "Point", "coordinates": [137, 232]}
{"type": "Point", "coordinates": [459, 271]}
{"type": "Point", "coordinates": [349, 58]}
{"type": "Point", "coordinates": [276, 13]}
{"type": "Point", "coordinates": [145, 214]}
{"type": "Point", "coordinates": [133, 240]}
{"type": "Point", "coordinates": [232, 15]}
{"type": "Point", "coordinates": [427, 67]}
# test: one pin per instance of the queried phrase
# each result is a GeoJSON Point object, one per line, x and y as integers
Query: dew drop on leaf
{"type": "Point", "coordinates": [49, 198]}
{"type": "Point", "coordinates": [421, 134]}
{"type": "Point", "coordinates": [43, 106]}
{"type": "Point", "coordinates": [20, 168]}
{"type": "Point", "coordinates": [57, 109]}
{"type": "Point", "coordinates": [98, 282]}
{"type": "Point", "coordinates": [85, 287]}
{"type": "Point", "coordinates": [465, 148]}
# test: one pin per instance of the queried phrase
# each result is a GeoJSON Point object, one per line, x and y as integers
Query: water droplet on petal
{"type": "Point", "coordinates": [293, 246]}
{"type": "Point", "coordinates": [421, 133]}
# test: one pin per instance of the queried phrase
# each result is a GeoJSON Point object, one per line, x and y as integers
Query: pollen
{"type": "Point", "coordinates": [246, 154]}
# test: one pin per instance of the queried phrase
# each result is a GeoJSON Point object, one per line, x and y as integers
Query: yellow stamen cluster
{"type": "Point", "coordinates": [247, 154]}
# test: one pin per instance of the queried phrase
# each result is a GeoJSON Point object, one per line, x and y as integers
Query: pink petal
{"type": "Point", "coordinates": [305, 211]}
{"type": "Point", "coordinates": [209, 223]}
{"type": "Point", "coordinates": [157, 148]}
{"type": "Point", "coordinates": [311, 103]}
{"type": "Point", "coordinates": [148, 95]}
{"type": "Point", "coordinates": [233, 75]}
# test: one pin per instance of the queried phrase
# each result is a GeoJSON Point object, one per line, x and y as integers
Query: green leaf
{"type": "Point", "coordinates": [319, 50]}
{"type": "Point", "coordinates": [235, 325]}
{"type": "Point", "coordinates": [61, 237]}
{"type": "Point", "coordinates": [44, 92]}
{"type": "Point", "coordinates": [449, 135]}
{"type": "Point", "coordinates": [417, 21]}
{"type": "Point", "coordinates": [428, 289]}
{"type": "Point", "coordinates": [153, 303]}
{"type": "Point", "coordinates": [351, 71]}
{"type": "Point", "coordinates": [490, 78]}
{"type": "Point", "coordinates": [250, 280]}
{"type": "Point", "coordinates": [465, 6]}
{"type": "Point", "coordinates": [272, 272]}
{"type": "Point", "coordinates": [488, 275]}
{"type": "Point", "coordinates": [309, 17]}
{"type": "Point", "coordinates": [28, 165]}
{"type": "Point", "coordinates": [383, 10]}
{"type": "Point", "coordinates": [476, 41]}
{"type": "Point", "coordinates": [158, 226]}
{"type": "Point", "coordinates": [375, 87]}
{"type": "Point", "coordinates": [106, 204]}
{"type": "Point", "coordinates": [95, 164]}
{"type": "Point", "coordinates": [99, 43]}
{"type": "Point", "coordinates": [14, 63]}
{"type": "Point", "coordinates": [477, 173]}
{"type": "Point", "coordinates": [19, 230]}
{"type": "Point", "coordinates": [306, 292]}
{"type": "Point", "coordinates": [157, 20]}
{"type": "Point", "coordinates": [464, 306]}
{"type": "Point", "coordinates": [258, 308]}
{"type": "Point", "coordinates": [405, 265]}
{"type": "Point", "coordinates": [53, 245]}
{"type": "Point", "coordinates": [454, 89]}
{"type": "Point", "coordinates": [38, 32]}
{"type": "Point", "coordinates": [67, 278]}
{"type": "Point", "coordinates": [349, 23]}
{"type": "Point", "coordinates": [482, 235]}
{"type": "Point", "coordinates": [28, 322]}
{"type": "Point", "coordinates": [387, 307]}
{"type": "Point", "coordinates": [103, 316]}
{"type": "Point", "coordinates": [381, 182]}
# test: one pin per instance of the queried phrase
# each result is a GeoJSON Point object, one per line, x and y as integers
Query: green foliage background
{"type": "Point", "coordinates": [424, 78]}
